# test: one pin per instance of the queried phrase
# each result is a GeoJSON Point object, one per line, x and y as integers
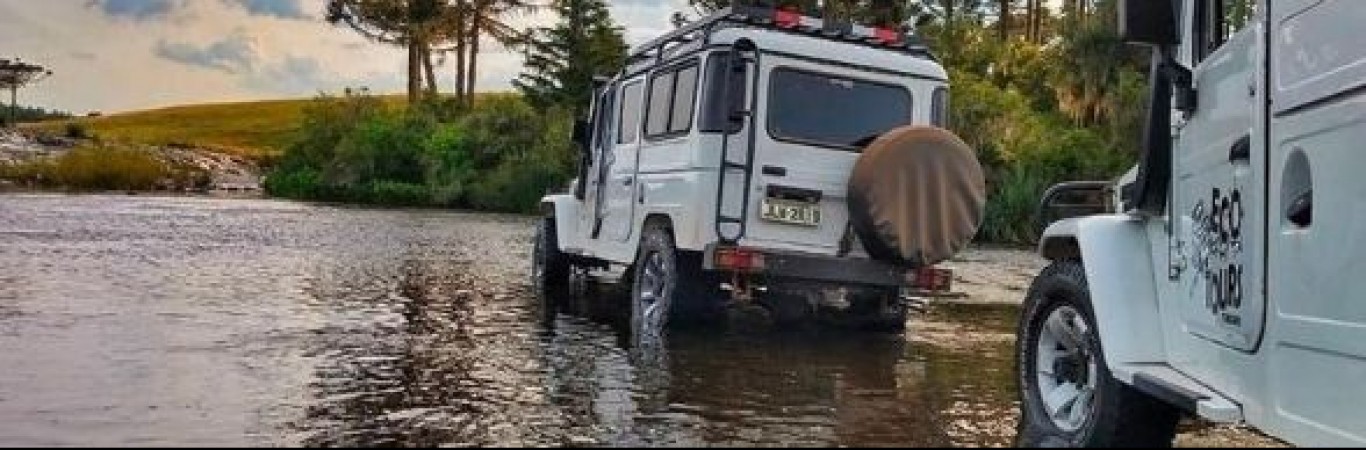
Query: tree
{"type": "Point", "coordinates": [562, 60]}
{"type": "Point", "coordinates": [15, 74]}
{"type": "Point", "coordinates": [413, 24]}
{"type": "Point", "coordinates": [1003, 18]}
{"type": "Point", "coordinates": [478, 19]}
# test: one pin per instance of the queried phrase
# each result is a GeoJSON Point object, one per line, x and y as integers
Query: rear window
{"type": "Point", "coordinates": [833, 111]}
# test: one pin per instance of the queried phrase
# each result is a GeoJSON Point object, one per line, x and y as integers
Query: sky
{"type": "Point", "coordinates": [122, 55]}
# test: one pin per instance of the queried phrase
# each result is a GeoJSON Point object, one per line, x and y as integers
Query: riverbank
{"type": "Point", "coordinates": [33, 160]}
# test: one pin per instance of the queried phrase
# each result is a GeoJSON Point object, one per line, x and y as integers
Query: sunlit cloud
{"type": "Point", "coordinates": [233, 54]}
{"type": "Point", "coordinates": [134, 9]}
{"type": "Point", "coordinates": [284, 9]}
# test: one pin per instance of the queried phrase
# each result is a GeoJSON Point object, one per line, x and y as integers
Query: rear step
{"type": "Point", "coordinates": [1170, 385]}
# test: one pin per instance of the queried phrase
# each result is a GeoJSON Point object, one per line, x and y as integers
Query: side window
{"type": "Point", "coordinates": [939, 114]}
{"type": "Point", "coordinates": [628, 125]}
{"type": "Point", "coordinates": [685, 97]}
{"type": "Point", "coordinates": [716, 102]}
{"type": "Point", "coordinates": [661, 93]}
{"type": "Point", "coordinates": [1218, 20]}
{"type": "Point", "coordinates": [602, 117]}
{"type": "Point", "coordinates": [673, 98]}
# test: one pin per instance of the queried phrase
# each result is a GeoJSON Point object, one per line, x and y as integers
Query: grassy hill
{"type": "Point", "coordinates": [252, 129]}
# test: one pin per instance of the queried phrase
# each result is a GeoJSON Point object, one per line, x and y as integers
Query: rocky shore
{"type": "Point", "coordinates": [228, 173]}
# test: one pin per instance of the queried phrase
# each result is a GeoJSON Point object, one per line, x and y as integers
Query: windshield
{"type": "Point", "coordinates": [833, 111]}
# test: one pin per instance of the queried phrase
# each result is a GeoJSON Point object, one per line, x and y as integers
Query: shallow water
{"type": "Point", "coordinates": [180, 321]}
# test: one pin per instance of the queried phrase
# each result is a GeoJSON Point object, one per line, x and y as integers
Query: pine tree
{"type": "Point", "coordinates": [562, 60]}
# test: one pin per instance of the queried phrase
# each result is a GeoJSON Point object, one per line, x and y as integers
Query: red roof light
{"type": "Point", "coordinates": [787, 18]}
{"type": "Point", "coordinates": [887, 36]}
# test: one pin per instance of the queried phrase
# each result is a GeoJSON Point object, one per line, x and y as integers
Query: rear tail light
{"type": "Point", "coordinates": [930, 279]}
{"type": "Point", "coordinates": [738, 259]}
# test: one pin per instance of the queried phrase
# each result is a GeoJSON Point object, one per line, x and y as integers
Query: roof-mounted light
{"type": "Point", "coordinates": [792, 19]}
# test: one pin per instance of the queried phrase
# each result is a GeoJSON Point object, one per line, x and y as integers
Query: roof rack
{"type": "Point", "coordinates": [785, 20]}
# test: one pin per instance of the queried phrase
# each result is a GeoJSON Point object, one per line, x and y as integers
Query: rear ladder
{"type": "Point", "coordinates": [738, 219]}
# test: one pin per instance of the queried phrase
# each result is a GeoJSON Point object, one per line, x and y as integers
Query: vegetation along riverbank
{"type": "Point", "coordinates": [1044, 95]}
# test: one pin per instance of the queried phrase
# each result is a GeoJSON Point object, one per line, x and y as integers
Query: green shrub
{"type": "Point", "coordinates": [301, 183]}
{"type": "Point", "coordinates": [1011, 213]}
{"type": "Point", "coordinates": [447, 158]}
{"type": "Point", "coordinates": [397, 193]}
{"type": "Point", "coordinates": [1025, 150]}
{"type": "Point", "coordinates": [109, 168]}
{"type": "Point", "coordinates": [502, 155]}
{"type": "Point", "coordinates": [76, 130]}
{"type": "Point", "coordinates": [102, 168]}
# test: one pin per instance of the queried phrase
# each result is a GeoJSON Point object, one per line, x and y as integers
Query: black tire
{"type": "Point", "coordinates": [1118, 416]}
{"type": "Point", "coordinates": [672, 280]}
{"type": "Point", "coordinates": [550, 270]}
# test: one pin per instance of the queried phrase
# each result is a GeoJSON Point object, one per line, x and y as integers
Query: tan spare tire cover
{"type": "Point", "coordinates": [917, 196]}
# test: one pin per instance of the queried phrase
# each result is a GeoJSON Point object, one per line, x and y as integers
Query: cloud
{"type": "Point", "coordinates": [81, 55]}
{"type": "Point", "coordinates": [303, 75]}
{"type": "Point", "coordinates": [140, 10]}
{"type": "Point", "coordinates": [283, 9]}
{"type": "Point", "coordinates": [234, 54]}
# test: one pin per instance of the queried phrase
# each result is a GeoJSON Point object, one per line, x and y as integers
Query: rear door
{"type": "Point", "coordinates": [1317, 271]}
{"type": "Point", "coordinates": [814, 121]}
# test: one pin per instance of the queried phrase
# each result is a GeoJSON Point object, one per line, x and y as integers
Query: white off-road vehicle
{"type": "Point", "coordinates": [765, 159]}
{"type": "Point", "coordinates": [1231, 281]}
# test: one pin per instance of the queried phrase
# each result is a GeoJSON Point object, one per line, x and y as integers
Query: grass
{"type": "Point", "coordinates": [105, 168]}
{"type": "Point", "coordinates": [251, 129]}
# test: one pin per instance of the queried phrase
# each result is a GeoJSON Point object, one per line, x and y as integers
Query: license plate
{"type": "Point", "coordinates": [790, 212]}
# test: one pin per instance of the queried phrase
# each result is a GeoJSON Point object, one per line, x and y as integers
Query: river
{"type": "Point", "coordinates": [150, 321]}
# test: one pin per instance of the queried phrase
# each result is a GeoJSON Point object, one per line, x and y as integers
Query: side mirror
{"type": "Point", "coordinates": [1151, 22]}
{"type": "Point", "coordinates": [599, 81]}
{"type": "Point", "coordinates": [583, 135]}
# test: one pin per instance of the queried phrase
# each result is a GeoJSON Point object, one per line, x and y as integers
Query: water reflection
{"type": "Point", "coordinates": [142, 321]}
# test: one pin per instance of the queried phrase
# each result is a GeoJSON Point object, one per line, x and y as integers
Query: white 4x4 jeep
{"type": "Point", "coordinates": [1230, 283]}
{"type": "Point", "coordinates": [767, 153]}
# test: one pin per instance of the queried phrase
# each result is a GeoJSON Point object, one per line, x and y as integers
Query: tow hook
{"type": "Point", "coordinates": [741, 290]}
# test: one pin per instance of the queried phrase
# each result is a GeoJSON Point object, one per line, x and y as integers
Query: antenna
{"type": "Point", "coordinates": [15, 74]}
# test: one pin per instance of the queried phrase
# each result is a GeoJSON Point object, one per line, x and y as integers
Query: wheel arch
{"type": "Point", "coordinates": [1114, 251]}
{"type": "Point", "coordinates": [657, 218]}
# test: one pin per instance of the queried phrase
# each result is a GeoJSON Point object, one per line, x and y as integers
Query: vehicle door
{"type": "Point", "coordinates": [620, 182]}
{"type": "Point", "coordinates": [1218, 199]}
{"type": "Point", "coordinates": [815, 120]}
{"type": "Point", "coordinates": [604, 115]}
{"type": "Point", "coordinates": [1317, 261]}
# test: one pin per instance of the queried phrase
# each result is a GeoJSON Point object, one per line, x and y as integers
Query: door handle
{"type": "Point", "coordinates": [775, 171]}
{"type": "Point", "coordinates": [1241, 151]}
{"type": "Point", "coordinates": [628, 181]}
{"type": "Point", "coordinates": [1301, 210]}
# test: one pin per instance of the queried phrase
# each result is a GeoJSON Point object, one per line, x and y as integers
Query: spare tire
{"type": "Point", "coordinates": [917, 196]}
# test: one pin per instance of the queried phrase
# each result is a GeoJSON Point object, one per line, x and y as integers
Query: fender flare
{"type": "Point", "coordinates": [1115, 251]}
{"type": "Point", "coordinates": [562, 206]}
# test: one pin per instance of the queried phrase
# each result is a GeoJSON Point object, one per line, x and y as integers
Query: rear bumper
{"type": "Point", "coordinates": [820, 268]}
